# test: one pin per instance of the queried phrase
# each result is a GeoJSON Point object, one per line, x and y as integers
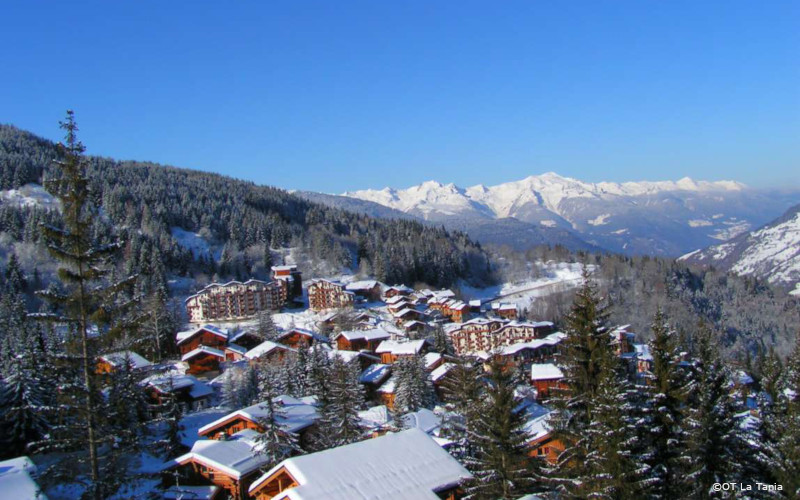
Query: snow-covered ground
{"type": "Point", "coordinates": [29, 195]}
{"type": "Point", "coordinates": [554, 277]}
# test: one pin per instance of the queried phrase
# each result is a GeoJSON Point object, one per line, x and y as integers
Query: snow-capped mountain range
{"type": "Point", "coordinates": [660, 218]}
{"type": "Point", "coordinates": [771, 252]}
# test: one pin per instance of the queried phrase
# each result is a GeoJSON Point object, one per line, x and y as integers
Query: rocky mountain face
{"type": "Point", "coordinates": [771, 252]}
{"type": "Point", "coordinates": [666, 218]}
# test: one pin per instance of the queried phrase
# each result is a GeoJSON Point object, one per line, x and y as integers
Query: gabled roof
{"type": "Point", "coordinates": [288, 267]}
{"type": "Point", "coordinates": [422, 419]}
{"type": "Point", "coordinates": [546, 371]}
{"type": "Point", "coordinates": [431, 359]}
{"type": "Point", "coordinates": [236, 348]}
{"type": "Point", "coordinates": [395, 299]}
{"type": "Point", "coordinates": [399, 348]}
{"type": "Point", "coordinates": [441, 371]}
{"type": "Point", "coordinates": [375, 417]}
{"type": "Point", "coordinates": [295, 414]}
{"type": "Point", "coordinates": [373, 334]}
{"type": "Point", "coordinates": [405, 312]}
{"type": "Point", "coordinates": [405, 465]}
{"type": "Point", "coordinates": [375, 374]}
{"type": "Point", "coordinates": [234, 456]}
{"type": "Point", "coordinates": [266, 347]}
{"type": "Point", "coordinates": [182, 337]}
{"type": "Point", "coordinates": [362, 285]}
{"type": "Point", "coordinates": [306, 333]}
{"type": "Point", "coordinates": [202, 349]}
{"type": "Point", "coordinates": [117, 359]}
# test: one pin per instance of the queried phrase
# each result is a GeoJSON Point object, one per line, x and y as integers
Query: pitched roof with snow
{"type": "Point", "coordinates": [363, 285]}
{"type": "Point", "coordinates": [405, 465]}
{"type": "Point", "coordinates": [431, 359]}
{"type": "Point", "coordinates": [306, 333]}
{"type": "Point", "coordinates": [643, 352]}
{"type": "Point", "coordinates": [161, 383]}
{"type": "Point", "coordinates": [202, 349]}
{"type": "Point", "coordinates": [441, 371]}
{"type": "Point", "coordinates": [117, 359]}
{"type": "Point", "coordinates": [375, 374]}
{"type": "Point", "coordinates": [373, 334]}
{"type": "Point", "coordinates": [401, 348]}
{"type": "Point", "coordinates": [545, 371]}
{"type": "Point", "coordinates": [375, 417]}
{"type": "Point", "coordinates": [424, 420]}
{"type": "Point", "coordinates": [234, 456]}
{"type": "Point", "coordinates": [266, 347]}
{"type": "Point", "coordinates": [185, 335]}
{"type": "Point", "coordinates": [295, 414]}
{"type": "Point", "coordinates": [395, 299]}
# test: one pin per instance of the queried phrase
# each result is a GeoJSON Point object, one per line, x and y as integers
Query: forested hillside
{"type": "Point", "coordinates": [748, 315]}
{"type": "Point", "coordinates": [245, 227]}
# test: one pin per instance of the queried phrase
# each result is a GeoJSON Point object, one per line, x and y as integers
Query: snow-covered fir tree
{"type": "Point", "coordinates": [585, 354]}
{"type": "Point", "coordinates": [462, 395]}
{"type": "Point", "coordinates": [274, 442]}
{"type": "Point", "coordinates": [501, 464]}
{"type": "Point", "coordinates": [716, 445]}
{"type": "Point", "coordinates": [23, 407]}
{"type": "Point", "coordinates": [266, 329]}
{"type": "Point", "coordinates": [441, 341]}
{"type": "Point", "coordinates": [339, 423]}
{"type": "Point", "coordinates": [170, 414]}
{"type": "Point", "coordinates": [413, 386]}
{"type": "Point", "coordinates": [125, 409]}
{"type": "Point", "coordinates": [667, 391]}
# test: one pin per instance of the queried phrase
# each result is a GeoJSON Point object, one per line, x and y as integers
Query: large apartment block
{"type": "Point", "coordinates": [235, 300]}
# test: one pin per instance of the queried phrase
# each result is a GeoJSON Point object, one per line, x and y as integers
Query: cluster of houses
{"type": "Point", "coordinates": [385, 325]}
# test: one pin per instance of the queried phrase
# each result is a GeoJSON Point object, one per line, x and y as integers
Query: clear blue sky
{"type": "Point", "coordinates": [337, 95]}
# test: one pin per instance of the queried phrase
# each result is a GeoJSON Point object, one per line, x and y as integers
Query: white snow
{"type": "Point", "coordinates": [399, 348]}
{"type": "Point", "coordinates": [264, 348]}
{"type": "Point", "coordinates": [545, 371]}
{"type": "Point", "coordinates": [775, 252]}
{"type": "Point", "coordinates": [700, 223]}
{"type": "Point", "coordinates": [119, 358]}
{"type": "Point", "coordinates": [30, 195]}
{"type": "Point", "coordinates": [191, 241]}
{"type": "Point", "coordinates": [17, 480]}
{"type": "Point", "coordinates": [548, 223]}
{"type": "Point", "coordinates": [600, 220]}
{"type": "Point", "coordinates": [234, 456]}
{"type": "Point", "coordinates": [405, 465]}
{"type": "Point", "coordinates": [294, 415]}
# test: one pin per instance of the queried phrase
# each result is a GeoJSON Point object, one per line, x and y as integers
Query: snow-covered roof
{"type": "Point", "coordinates": [431, 359]}
{"type": "Point", "coordinates": [405, 311]}
{"type": "Point", "coordinates": [187, 334]}
{"type": "Point", "coordinates": [17, 480]}
{"type": "Point", "coordinates": [191, 492]}
{"type": "Point", "coordinates": [412, 323]}
{"type": "Point", "coordinates": [537, 420]}
{"type": "Point", "coordinates": [400, 288]}
{"type": "Point", "coordinates": [234, 456]}
{"type": "Point", "coordinates": [375, 374]}
{"type": "Point", "coordinates": [643, 352]}
{"type": "Point", "coordinates": [375, 417]}
{"type": "Point", "coordinates": [236, 348]}
{"type": "Point", "coordinates": [265, 347]}
{"type": "Point", "coordinates": [424, 420]}
{"type": "Point", "coordinates": [363, 285]}
{"type": "Point", "coordinates": [441, 371]}
{"type": "Point", "coordinates": [395, 299]}
{"type": "Point", "coordinates": [203, 349]}
{"type": "Point", "coordinates": [405, 465]}
{"type": "Point", "coordinates": [161, 383]}
{"type": "Point", "coordinates": [288, 267]}
{"type": "Point", "coordinates": [389, 386]}
{"type": "Point", "coordinates": [223, 285]}
{"type": "Point", "coordinates": [400, 348]}
{"type": "Point", "coordinates": [348, 356]}
{"type": "Point", "coordinates": [116, 359]}
{"type": "Point", "coordinates": [743, 378]}
{"type": "Point", "coordinates": [373, 334]}
{"type": "Point", "coordinates": [545, 371]}
{"type": "Point", "coordinates": [305, 332]}
{"type": "Point", "coordinates": [295, 414]}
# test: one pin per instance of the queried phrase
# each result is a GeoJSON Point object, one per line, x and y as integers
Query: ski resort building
{"type": "Point", "coordinates": [367, 289]}
{"type": "Point", "coordinates": [545, 377]}
{"type": "Point", "coordinates": [325, 294]}
{"type": "Point", "coordinates": [407, 464]}
{"type": "Point", "coordinates": [392, 350]}
{"type": "Point", "coordinates": [236, 300]}
{"type": "Point", "coordinates": [482, 334]}
{"type": "Point", "coordinates": [358, 340]}
{"type": "Point", "coordinates": [188, 391]}
{"type": "Point", "coordinates": [291, 279]}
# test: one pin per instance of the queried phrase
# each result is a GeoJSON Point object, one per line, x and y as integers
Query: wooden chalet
{"type": "Point", "coordinates": [203, 359]}
{"type": "Point", "coordinates": [269, 352]}
{"type": "Point", "coordinates": [295, 415]}
{"type": "Point", "coordinates": [234, 352]}
{"type": "Point", "coordinates": [545, 377]}
{"type": "Point", "coordinates": [505, 311]}
{"type": "Point", "coordinates": [373, 376]}
{"type": "Point", "coordinates": [207, 335]}
{"type": "Point", "coordinates": [391, 350]}
{"type": "Point", "coordinates": [367, 289]}
{"type": "Point", "coordinates": [358, 340]}
{"type": "Point", "coordinates": [397, 290]}
{"type": "Point", "coordinates": [407, 464]}
{"type": "Point", "coordinates": [187, 390]}
{"type": "Point", "coordinates": [415, 326]}
{"type": "Point", "coordinates": [109, 363]}
{"type": "Point", "coordinates": [440, 376]}
{"type": "Point", "coordinates": [231, 465]}
{"type": "Point", "coordinates": [386, 392]}
{"type": "Point", "coordinates": [247, 338]}
{"type": "Point", "coordinates": [297, 337]}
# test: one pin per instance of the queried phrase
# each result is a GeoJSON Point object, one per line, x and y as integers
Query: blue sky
{"type": "Point", "coordinates": [331, 96]}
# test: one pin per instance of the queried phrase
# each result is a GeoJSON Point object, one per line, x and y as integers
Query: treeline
{"type": "Point", "coordinates": [748, 316]}
{"type": "Point", "coordinates": [249, 224]}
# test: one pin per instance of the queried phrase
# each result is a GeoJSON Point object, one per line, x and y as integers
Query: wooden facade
{"type": "Point", "coordinates": [325, 294]}
{"type": "Point", "coordinates": [547, 448]}
{"type": "Point", "coordinates": [195, 472]}
{"type": "Point", "coordinates": [202, 336]}
{"type": "Point", "coordinates": [203, 362]}
{"type": "Point", "coordinates": [235, 300]}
